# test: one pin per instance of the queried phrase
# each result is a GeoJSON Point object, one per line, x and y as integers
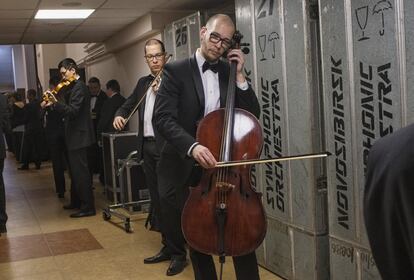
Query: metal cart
{"type": "Point", "coordinates": [126, 194]}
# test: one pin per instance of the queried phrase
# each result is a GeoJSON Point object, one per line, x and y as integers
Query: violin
{"type": "Point", "coordinates": [50, 95]}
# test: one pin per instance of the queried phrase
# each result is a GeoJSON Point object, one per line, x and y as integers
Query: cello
{"type": "Point", "coordinates": [224, 215]}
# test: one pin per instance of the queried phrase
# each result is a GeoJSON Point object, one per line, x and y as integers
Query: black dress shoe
{"type": "Point", "coordinates": [70, 207]}
{"type": "Point", "coordinates": [23, 167]}
{"type": "Point", "coordinates": [81, 214]}
{"type": "Point", "coordinates": [160, 257]}
{"type": "Point", "coordinates": [176, 266]}
{"type": "Point", "coordinates": [61, 195]}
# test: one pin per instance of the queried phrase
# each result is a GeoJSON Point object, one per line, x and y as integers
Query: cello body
{"type": "Point", "coordinates": [226, 190]}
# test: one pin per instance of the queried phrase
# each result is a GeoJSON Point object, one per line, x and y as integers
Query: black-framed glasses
{"type": "Point", "coordinates": [63, 73]}
{"type": "Point", "coordinates": [157, 56]}
{"type": "Point", "coordinates": [215, 38]}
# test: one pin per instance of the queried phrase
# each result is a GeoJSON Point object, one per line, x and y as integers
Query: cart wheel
{"type": "Point", "coordinates": [127, 227]}
{"type": "Point", "coordinates": [106, 216]}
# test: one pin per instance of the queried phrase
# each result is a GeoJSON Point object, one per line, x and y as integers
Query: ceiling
{"type": "Point", "coordinates": [18, 26]}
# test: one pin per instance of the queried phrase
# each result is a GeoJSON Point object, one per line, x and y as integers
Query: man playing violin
{"type": "Point", "coordinates": [148, 148]}
{"type": "Point", "coordinates": [78, 136]}
{"type": "Point", "coordinates": [190, 89]}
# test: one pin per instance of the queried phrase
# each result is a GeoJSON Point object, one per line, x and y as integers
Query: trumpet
{"type": "Point", "coordinates": [50, 95]}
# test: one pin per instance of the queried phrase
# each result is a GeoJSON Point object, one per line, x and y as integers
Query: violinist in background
{"type": "Point", "coordinates": [148, 145]}
{"type": "Point", "coordinates": [55, 133]}
{"type": "Point", "coordinates": [78, 136]}
{"type": "Point", "coordinates": [190, 89]}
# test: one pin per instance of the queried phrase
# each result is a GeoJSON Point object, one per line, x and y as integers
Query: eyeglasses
{"type": "Point", "coordinates": [215, 38]}
{"type": "Point", "coordinates": [157, 56]}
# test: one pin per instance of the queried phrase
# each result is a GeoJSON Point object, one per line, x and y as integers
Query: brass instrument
{"type": "Point", "coordinates": [50, 95]}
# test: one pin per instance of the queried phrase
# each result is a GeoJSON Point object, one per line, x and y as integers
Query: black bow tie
{"type": "Point", "coordinates": [212, 67]}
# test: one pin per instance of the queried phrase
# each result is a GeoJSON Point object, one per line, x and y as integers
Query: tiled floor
{"type": "Point", "coordinates": [43, 243]}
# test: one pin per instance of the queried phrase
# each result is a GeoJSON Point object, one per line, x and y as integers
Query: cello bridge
{"type": "Point", "coordinates": [225, 186]}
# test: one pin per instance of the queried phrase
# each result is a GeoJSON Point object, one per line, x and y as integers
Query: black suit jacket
{"type": "Point", "coordinates": [97, 109]}
{"type": "Point", "coordinates": [32, 122]}
{"type": "Point", "coordinates": [179, 107]}
{"type": "Point", "coordinates": [4, 124]}
{"type": "Point", "coordinates": [129, 105]}
{"type": "Point", "coordinates": [109, 108]}
{"type": "Point", "coordinates": [77, 117]}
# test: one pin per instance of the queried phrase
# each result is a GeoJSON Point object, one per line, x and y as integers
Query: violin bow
{"type": "Point", "coordinates": [269, 160]}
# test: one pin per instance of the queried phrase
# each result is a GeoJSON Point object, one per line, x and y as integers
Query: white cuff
{"type": "Point", "coordinates": [191, 149]}
{"type": "Point", "coordinates": [242, 86]}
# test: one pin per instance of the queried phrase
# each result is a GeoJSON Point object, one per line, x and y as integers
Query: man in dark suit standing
{"type": "Point", "coordinates": [79, 135]}
{"type": "Point", "coordinates": [109, 108]}
{"type": "Point", "coordinates": [389, 204]}
{"type": "Point", "coordinates": [190, 89]}
{"type": "Point", "coordinates": [148, 148]}
{"type": "Point", "coordinates": [98, 98]}
{"type": "Point", "coordinates": [4, 127]}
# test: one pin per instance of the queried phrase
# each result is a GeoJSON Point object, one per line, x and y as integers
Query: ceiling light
{"type": "Point", "coordinates": [63, 14]}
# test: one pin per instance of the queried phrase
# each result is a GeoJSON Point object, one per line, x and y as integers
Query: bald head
{"type": "Point", "coordinates": [216, 36]}
{"type": "Point", "coordinates": [219, 19]}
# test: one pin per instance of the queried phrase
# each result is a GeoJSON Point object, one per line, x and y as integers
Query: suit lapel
{"type": "Point", "coordinates": [223, 82]}
{"type": "Point", "coordinates": [197, 80]}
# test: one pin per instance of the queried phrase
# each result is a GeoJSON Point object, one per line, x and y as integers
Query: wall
{"type": "Point", "coordinates": [19, 71]}
{"type": "Point", "coordinates": [48, 56]}
{"type": "Point", "coordinates": [6, 69]}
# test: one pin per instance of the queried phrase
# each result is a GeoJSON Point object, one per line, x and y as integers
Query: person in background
{"type": "Point", "coordinates": [98, 98]}
{"type": "Point", "coordinates": [17, 119]}
{"type": "Point", "coordinates": [4, 127]}
{"type": "Point", "coordinates": [109, 108]}
{"type": "Point", "coordinates": [32, 132]}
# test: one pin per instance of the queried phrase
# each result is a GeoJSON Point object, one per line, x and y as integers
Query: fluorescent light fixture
{"type": "Point", "coordinates": [63, 14]}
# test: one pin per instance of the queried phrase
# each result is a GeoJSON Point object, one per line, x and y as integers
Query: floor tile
{"type": "Point", "coordinates": [72, 241]}
{"type": "Point", "coordinates": [23, 248]}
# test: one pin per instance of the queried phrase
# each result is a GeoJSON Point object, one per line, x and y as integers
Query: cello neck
{"type": "Point", "coordinates": [225, 153]}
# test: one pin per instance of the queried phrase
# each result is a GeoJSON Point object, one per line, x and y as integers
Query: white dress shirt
{"type": "Point", "coordinates": [149, 109]}
{"type": "Point", "coordinates": [211, 86]}
{"type": "Point", "coordinates": [211, 89]}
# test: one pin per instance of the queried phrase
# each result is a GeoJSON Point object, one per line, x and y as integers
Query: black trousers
{"type": "Point", "coordinates": [204, 268]}
{"type": "Point", "coordinates": [151, 157]}
{"type": "Point", "coordinates": [94, 155]}
{"type": "Point", "coordinates": [58, 154]}
{"type": "Point", "coordinates": [81, 191]}
{"type": "Point", "coordinates": [172, 199]}
{"type": "Point", "coordinates": [389, 204]}
{"type": "Point", "coordinates": [3, 214]}
{"type": "Point", "coordinates": [31, 147]}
